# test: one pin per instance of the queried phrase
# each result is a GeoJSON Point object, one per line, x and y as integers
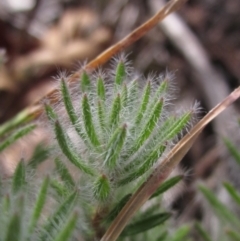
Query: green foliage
{"type": "Point", "coordinates": [107, 142]}
{"type": "Point", "coordinates": [22, 212]}
{"type": "Point", "coordinates": [15, 136]}
{"type": "Point", "coordinates": [180, 233]}
{"type": "Point", "coordinates": [203, 234]}
{"type": "Point", "coordinates": [233, 150]}
{"type": "Point", "coordinates": [145, 224]}
{"type": "Point", "coordinates": [230, 220]}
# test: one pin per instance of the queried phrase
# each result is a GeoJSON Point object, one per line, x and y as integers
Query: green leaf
{"type": "Point", "coordinates": [40, 154]}
{"type": "Point", "coordinates": [233, 150]}
{"type": "Point", "coordinates": [64, 173]}
{"type": "Point", "coordinates": [14, 228]}
{"type": "Point", "coordinates": [167, 185]}
{"type": "Point", "coordinates": [204, 235]}
{"type": "Point", "coordinates": [19, 179]}
{"type": "Point", "coordinates": [66, 147]}
{"type": "Point", "coordinates": [88, 122]}
{"type": "Point", "coordinates": [233, 192]}
{"type": "Point", "coordinates": [39, 204]}
{"type": "Point", "coordinates": [169, 129]}
{"type": "Point", "coordinates": [118, 207]}
{"type": "Point", "coordinates": [132, 96]}
{"type": "Point", "coordinates": [70, 110]}
{"type": "Point", "coordinates": [52, 116]}
{"type": "Point", "coordinates": [60, 214]}
{"type": "Point", "coordinates": [85, 82]}
{"type": "Point", "coordinates": [6, 203]}
{"type": "Point", "coordinates": [101, 115]}
{"type": "Point", "coordinates": [68, 229]}
{"type": "Point", "coordinates": [101, 188]}
{"type": "Point", "coordinates": [176, 126]}
{"type": "Point", "coordinates": [145, 224]}
{"type": "Point", "coordinates": [115, 111]}
{"type": "Point", "coordinates": [15, 136]}
{"type": "Point", "coordinates": [221, 210]}
{"type": "Point", "coordinates": [158, 93]}
{"type": "Point", "coordinates": [180, 234]}
{"type": "Point", "coordinates": [22, 118]}
{"type": "Point", "coordinates": [152, 158]}
{"type": "Point", "coordinates": [151, 123]}
{"type": "Point", "coordinates": [60, 189]}
{"type": "Point", "coordinates": [124, 95]}
{"type": "Point", "coordinates": [115, 146]}
{"type": "Point", "coordinates": [68, 102]}
{"type": "Point", "coordinates": [144, 103]}
{"type": "Point", "coordinates": [120, 73]}
{"type": "Point", "coordinates": [163, 236]}
{"type": "Point", "coordinates": [234, 236]}
{"type": "Point", "coordinates": [101, 89]}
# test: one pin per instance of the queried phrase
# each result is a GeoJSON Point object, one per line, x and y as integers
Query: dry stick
{"type": "Point", "coordinates": [113, 50]}
{"type": "Point", "coordinates": [163, 170]}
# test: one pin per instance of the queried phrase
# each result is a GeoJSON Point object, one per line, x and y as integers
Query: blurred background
{"type": "Point", "coordinates": [200, 44]}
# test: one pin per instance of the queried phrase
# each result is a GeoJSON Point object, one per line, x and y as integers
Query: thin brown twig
{"type": "Point", "coordinates": [110, 52]}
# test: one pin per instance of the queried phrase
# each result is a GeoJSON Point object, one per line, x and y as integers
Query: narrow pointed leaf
{"type": "Point", "coordinates": [115, 146]}
{"type": "Point", "coordinates": [163, 236]}
{"type": "Point", "coordinates": [39, 204]}
{"type": "Point", "coordinates": [6, 203]}
{"type": "Point", "coordinates": [40, 155]}
{"type": "Point", "coordinates": [68, 229]}
{"type": "Point", "coordinates": [152, 158]}
{"type": "Point", "coordinates": [118, 207]}
{"type": "Point", "coordinates": [101, 188]}
{"type": "Point", "coordinates": [221, 210]}
{"type": "Point", "coordinates": [14, 228]}
{"type": "Point", "coordinates": [162, 88]}
{"type": "Point", "coordinates": [204, 235]}
{"type": "Point", "coordinates": [233, 192]}
{"type": "Point", "coordinates": [234, 236]}
{"type": "Point", "coordinates": [66, 147]}
{"type": "Point", "coordinates": [15, 136]}
{"type": "Point", "coordinates": [70, 109]}
{"type": "Point", "coordinates": [124, 95]}
{"type": "Point", "coordinates": [88, 122]}
{"type": "Point", "coordinates": [120, 73]}
{"type": "Point", "coordinates": [60, 214]}
{"type": "Point", "coordinates": [132, 95]}
{"type": "Point", "coordinates": [21, 118]}
{"type": "Point", "coordinates": [21, 205]}
{"type": "Point", "coordinates": [52, 116]}
{"type": "Point", "coordinates": [64, 173]}
{"type": "Point", "coordinates": [167, 185]}
{"type": "Point", "coordinates": [19, 177]}
{"type": "Point", "coordinates": [158, 94]}
{"type": "Point", "coordinates": [101, 89]}
{"type": "Point", "coordinates": [68, 102]}
{"type": "Point", "coordinates": [60, 189]}
{"type": "Point", "coordinates": [163, 170]}
{"type": "Point", "coordinates": [177, 126]}
{"type": "Point", "coordinates": [233, 150]}
{"type": "Point", "coordinates": [145, 158]}
{"type": "Point", "coordinates": [102, 116]}
{"type": "Point", "coordinates": [149, 126]}
{"type": "Point", "coordinates": [144, 103]}
{"type": "Point", "coordinates": [85, 82]}
{"type": "Point", "coordinates": [115, 111]}
{"type": "Point", "coordinates": [145, 224]}
{"type": "Point", "coordinates": [180, 234]}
